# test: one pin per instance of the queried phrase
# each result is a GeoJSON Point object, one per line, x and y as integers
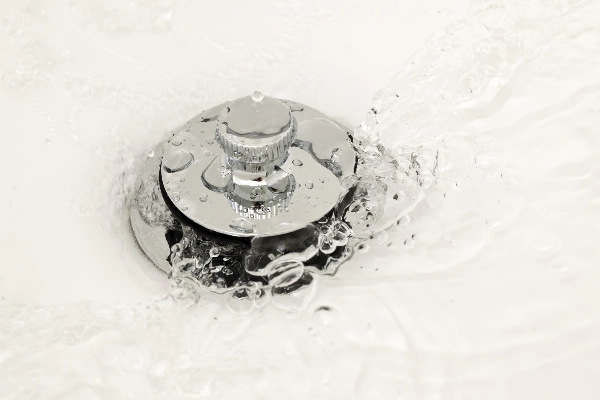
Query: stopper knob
{"type": "Point", "coordinates": [256, 129]}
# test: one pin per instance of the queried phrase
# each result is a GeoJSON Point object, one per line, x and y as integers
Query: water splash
{"type": "Point", "coordinates": [447, 312]}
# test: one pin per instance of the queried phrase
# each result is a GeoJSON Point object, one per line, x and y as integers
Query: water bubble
{"type": "Point", "coordinates": [326, 245]}
{"type": "Point", "coordinates": [214, 252]}
{"type": "Point", "coordinates": [295, 297]}
{"type": "Point", "coordinates": [203, 197]}
{"type": "Point", "coordinates": [261, 298]}
{"type": "Point", "coordinates": [297, 163]}
{"type": "Point", "coordinates": [322, 324]}
{"type": "Point", "coordinates": [426, 181]}
{"type": "Point", "coordinates": [309, 185]}
{"type": "Point", "coordinates": [175, 197]}
{"type": "Point", "coordinates": [178, 161]}
{"type": "Point", "coordinates": [399, 196]}
{"type": "Point", "coordinates": [210, 140]}
{"type": "Point", "coordinates": [240, 301]}
{"type": "Point", "coordinates": [404, 221]}
{"type": "Point", "coordinates": [363, 248]}
{"type": "Point", "coordinates": [243, 225]}
{"type": "Point", "coordinates": [323, 316]}
{"type": "Point", "coordinates": [380, 237]}
{"type": "Point", "coordinates": [286, 273]}
{"type": "Point", "coordinates": [176, 142]}
{"type": "Point", "coordinates": [258, 96]}
{"type": "Point", "coordinates": [150, 154]}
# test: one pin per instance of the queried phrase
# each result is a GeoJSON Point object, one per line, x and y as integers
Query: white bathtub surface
{"type": "Point", "coordinates": [487, 290]}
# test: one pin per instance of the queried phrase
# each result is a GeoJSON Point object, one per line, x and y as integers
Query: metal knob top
{"type": "Point", "coordinates": [256, 129]}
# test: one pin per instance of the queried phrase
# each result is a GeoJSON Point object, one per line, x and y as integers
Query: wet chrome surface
{"type": "Point", "coordinates": [211, 190]}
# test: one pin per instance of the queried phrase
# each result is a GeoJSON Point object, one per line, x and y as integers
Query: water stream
{"type": "Point", "coordinates": [486, 288]}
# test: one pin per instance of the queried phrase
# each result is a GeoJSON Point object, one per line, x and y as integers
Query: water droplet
{"type": "Point", "coordinates": [176, 142]}
{"type": "Point", "coordinates": [426, 181]}
{"type": "Point", "coordinates": [242, 225]}
{"type": "Point", "coordinates": [363, 248]}
{"type": "Point", "coordinates": [150, 154]}
{"type": "Point", "coordinates": [240, 301]}
{"type": "Point", "coordinates": [295, 297]}
{"type": "Point", "coordinates": [210, 140]}
{"type": "Point", "coordinates": [279, 181]}
{"type": "Point", "coordinates": [207, 153]}
{"type": "Point", "coordinates": [175, 197]}
{"type": "Point", "coordinates": [404, 221]}
{"type": "Point", "coordinates": [380, 237]}
{"type": "Point", "coordinates": [182, 179]}
{"type": "Point", "coordinates": [258, 96]}
{"type": "Point", "coordinates": [322, 326]}
{"type": "Point", "coordinates": [309, 185]}
{"type": "Point", "coordinates": [400, 196]}
{"type": "Point", "coordinates": [178, 161]}
{"type": "Point", "coordinates": [203, 197]}
{"type": "Point", "coordinates": [223, 112]}
{"type": "Point", "coordinates": [297, 163]}
{"type": "Point", "coordinates": [321, 180]}
{"type": "Point", "coordinates": [409, 243]}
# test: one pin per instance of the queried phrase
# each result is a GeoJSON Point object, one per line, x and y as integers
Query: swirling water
{"type": "Point", "coordinates": [486, 290]}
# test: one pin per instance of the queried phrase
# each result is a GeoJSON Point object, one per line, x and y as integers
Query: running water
{"type": "Point", "coordinates": [486, 289]}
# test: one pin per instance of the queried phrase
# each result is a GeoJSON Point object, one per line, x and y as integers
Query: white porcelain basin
{"type": "Point", "coordinates": [488, 289]}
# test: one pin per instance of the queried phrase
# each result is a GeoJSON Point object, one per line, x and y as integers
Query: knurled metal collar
{"type": "Point", "coordinates": [256, 130]}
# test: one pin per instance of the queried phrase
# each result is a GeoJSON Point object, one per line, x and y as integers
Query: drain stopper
{"type": "Point", "coordinates": [253, 167]}
{"type": "Point", "coordinates": [249, 194]}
